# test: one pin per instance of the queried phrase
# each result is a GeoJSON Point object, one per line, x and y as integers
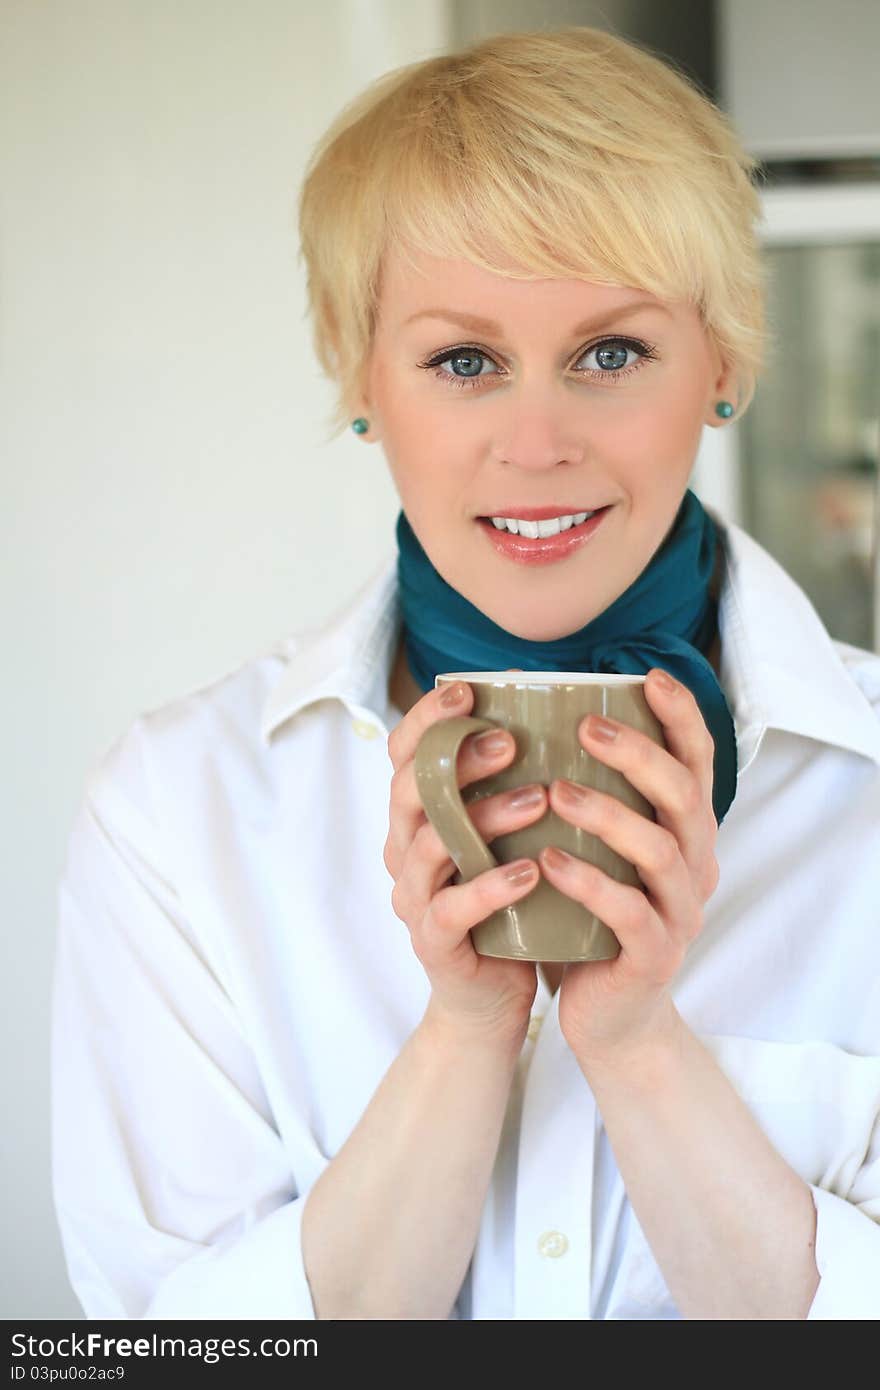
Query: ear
{"type": "Point", "coordinates": [725, 384]}
{"type": "Point", "coordinates": [363, 404]}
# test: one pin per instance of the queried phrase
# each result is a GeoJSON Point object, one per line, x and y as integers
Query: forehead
{"type": "Point", "coordinates": [416, 280]}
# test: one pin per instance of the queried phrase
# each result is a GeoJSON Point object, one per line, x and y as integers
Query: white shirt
{"type": "Point", "coordinates": [232, 984]}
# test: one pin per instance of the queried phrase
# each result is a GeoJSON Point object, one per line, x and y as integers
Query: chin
{"type": "Point", "coordinates": [539, 630]}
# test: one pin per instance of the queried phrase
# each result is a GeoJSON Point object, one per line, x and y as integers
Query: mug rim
{"type": "Point", "coordinates": [554, 678]}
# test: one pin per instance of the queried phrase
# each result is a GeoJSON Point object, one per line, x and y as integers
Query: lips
{"type": "Point", "coordinates": [542, 550]}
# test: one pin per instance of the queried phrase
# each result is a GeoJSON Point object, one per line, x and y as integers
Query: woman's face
{"type": "Point", "coordinates": [570, 395]}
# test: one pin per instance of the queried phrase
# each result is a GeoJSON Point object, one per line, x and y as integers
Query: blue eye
{"type": "Point", "coordinates": [467, 362]}
{"type": "Point", "coordinates": [611, 358]}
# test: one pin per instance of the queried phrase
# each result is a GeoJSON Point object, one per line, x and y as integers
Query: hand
{"type": "Point", "coordinates": [609, 1007]}
{"type": "Point", "coordinates": [489, 997]}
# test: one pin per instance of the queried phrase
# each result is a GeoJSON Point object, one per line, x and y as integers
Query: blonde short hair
{"type": "Point", "coordinates": [571, 153]}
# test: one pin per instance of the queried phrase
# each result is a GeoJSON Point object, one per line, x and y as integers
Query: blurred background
{"type": "Point", "coordinates": [166, 510]}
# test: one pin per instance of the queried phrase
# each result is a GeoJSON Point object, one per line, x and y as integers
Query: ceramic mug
{"type": "Point", "coordinates": [542, 710]}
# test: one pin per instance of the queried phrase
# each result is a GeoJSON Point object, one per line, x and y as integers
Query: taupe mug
{"type": "Point", "coordinates": [542, 710]}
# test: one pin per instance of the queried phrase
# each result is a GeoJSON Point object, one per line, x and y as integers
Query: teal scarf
{"type": "Point", "coordinates": [665, 618]}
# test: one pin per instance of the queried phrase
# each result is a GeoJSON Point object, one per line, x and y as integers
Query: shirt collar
{"type": "Point", "coordinates": [779, 667]}
{"type": "Point", "coordinates": [348, 659]}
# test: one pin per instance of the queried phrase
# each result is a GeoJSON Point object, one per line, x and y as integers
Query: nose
{"type": "Point", "coordinates": [536, 430]}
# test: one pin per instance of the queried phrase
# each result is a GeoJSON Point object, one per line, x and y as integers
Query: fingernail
{"type": "Point", "coordinates": [557, 858]}
{"type": "Point", "coordinates": [526, 796]}
{"type": "Point", "coordinates": [452, 695]}
{"type": "Point", "coordinates": [664, 682]}
{"type": "Point", "coordinates": [597, 727]}
{"type": "Point", "coordinates": [491, 743]}
{"type": "Point", "coordinates": [573, 792]}
{"type": "Point", "coordinates": [520, 871]}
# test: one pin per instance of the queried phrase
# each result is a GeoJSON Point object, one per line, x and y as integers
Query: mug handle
{"type": "Point", "coordinates": [435, 767]}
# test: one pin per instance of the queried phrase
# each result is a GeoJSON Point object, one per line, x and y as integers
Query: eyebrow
{"type": "Point", "coordinates": [481, 325]}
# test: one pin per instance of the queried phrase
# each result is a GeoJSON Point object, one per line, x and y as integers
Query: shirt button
{"type": "Point", "coordinates": [535, 1026]}
{"type": "Point", "coordinates": [552, 1243]}
{"type": "Point", "coordinates": [364, 729]}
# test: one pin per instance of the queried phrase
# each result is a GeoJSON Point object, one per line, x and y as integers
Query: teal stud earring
{"type": "Point", "coordinates": [724, 409]}
{"type": "Point", "coordinates": [360, 425]}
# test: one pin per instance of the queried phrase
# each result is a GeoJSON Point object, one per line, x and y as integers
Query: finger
{"type": "Point", "coordinates": [405, 736]}
{"type": "Point", "coordinates": [475, 760]}
{"type": "Point", "coordinates": [681, 802]}
{"type": "Point", "coordinates": [649, 949]}
{"type": "Point", "coordinates": [649, 847]}
{"type": "Point", "coordinates": [428, 864]}
{"type": "Point", "coordinates": [444, 702]}
{"type": "Point", "coordinates": [684, 728]}
{"type": "Point", "coordinates": [455, 910]}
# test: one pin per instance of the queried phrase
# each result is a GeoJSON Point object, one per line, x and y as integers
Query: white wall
{"type": "Point", "coordinates": [166, 512]}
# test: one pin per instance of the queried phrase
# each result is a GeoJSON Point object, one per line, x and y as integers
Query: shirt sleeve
{"type": "Point", "coordinates": [847, 1247]}
{"type": "Point", "coordinates": [819, 1105]}
{"type": "Point", "coordinates": [173, 1190]}
{"type": "Point", "coordinates": [847, 1257]}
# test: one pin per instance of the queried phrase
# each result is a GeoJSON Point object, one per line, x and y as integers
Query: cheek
{"type": "Point", "coordinates": [427, 448]}
{"type": "Point", "coordinates": [663, 426]}
{"type": "Point", "coordinates": [683, 415]}
{"type": "Point", "coordinates": [426, 468]}
{"type": "Point", "coordinates": [422, 435]}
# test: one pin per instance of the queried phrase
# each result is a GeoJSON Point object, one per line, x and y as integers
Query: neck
{"type": "Point", "coordinates": [402, 689]}
{"type": "Point", "coordinates": [404, 692]}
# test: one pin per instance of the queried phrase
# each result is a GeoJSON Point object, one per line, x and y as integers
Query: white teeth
{"type": "Point", "coordinates": [533, 529]}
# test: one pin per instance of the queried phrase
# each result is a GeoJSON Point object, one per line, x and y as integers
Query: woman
{"type": "Point", "coordinates": [285, 1086]}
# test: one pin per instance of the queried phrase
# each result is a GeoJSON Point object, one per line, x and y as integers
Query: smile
{"type": "Point", "coordinates": [536, 549]}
